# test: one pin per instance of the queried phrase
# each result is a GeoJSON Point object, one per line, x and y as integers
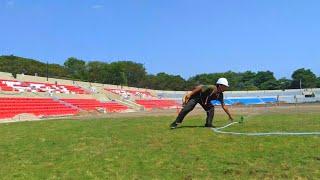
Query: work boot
{"type": "Point", "coordinates": [174, 125]}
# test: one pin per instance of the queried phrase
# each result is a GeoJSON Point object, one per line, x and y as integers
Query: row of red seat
{"type": "Point", "coordinates": [4, 87]}
{"type": "Point", "coordinates": [158, 103]}
{"type": "Point", "coordinates": [92, 104]}
{"type": "Point", "coordinates": [9, 107]}
{"type": "Point", "coordinates": [24, 98]}
{"type": "Point", "coordinates": [14, 85]}
{"type": "Point", "coordinates": [114, 107]}
{"type": "Point", "coordinates": [11, 114]}
{"type": "Point", "coordinates": [39, 111]}
{"type": "Point", "coordinates": [131, 93]}
{"type": "Point", "coordinates": [28, 107]}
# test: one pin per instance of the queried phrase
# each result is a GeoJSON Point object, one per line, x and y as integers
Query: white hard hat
{"type": "Point", "coordinates": [223, 81]}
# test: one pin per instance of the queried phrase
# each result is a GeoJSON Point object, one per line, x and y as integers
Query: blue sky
{"type": "Point", "coordinates": [184, 37]}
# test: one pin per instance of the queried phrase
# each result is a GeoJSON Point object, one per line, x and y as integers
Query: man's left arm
{"type": "Point", "coordinates": [225, 108]}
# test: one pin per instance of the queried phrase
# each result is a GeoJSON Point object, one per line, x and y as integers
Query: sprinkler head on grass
{"type": "Point", "coordinates": [241, 120]}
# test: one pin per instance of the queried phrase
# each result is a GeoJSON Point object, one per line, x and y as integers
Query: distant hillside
{"type": "Point", "coordinates": [130, 73]}
{"type": "Point", "coordinates": [18, 65]}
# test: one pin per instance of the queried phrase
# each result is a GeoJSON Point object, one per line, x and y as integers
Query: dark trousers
{"type": "Point", "coordinates": [187, 108]}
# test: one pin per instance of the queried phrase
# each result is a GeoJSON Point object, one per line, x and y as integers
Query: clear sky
{"type": "Point", "coordinates": [184, 37]}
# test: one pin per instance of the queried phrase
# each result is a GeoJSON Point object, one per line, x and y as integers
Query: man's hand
{"type": "Point", "coordinates": [185, 99]}
{"type": "Point", "coordinates": [227, 111]}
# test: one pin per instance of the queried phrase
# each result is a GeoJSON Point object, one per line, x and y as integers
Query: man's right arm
{"type": "Point", "coordinates": [193, 92]}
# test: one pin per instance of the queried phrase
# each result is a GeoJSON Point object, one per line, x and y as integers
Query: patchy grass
{"type": "Point", "coordinates": [144, 148]}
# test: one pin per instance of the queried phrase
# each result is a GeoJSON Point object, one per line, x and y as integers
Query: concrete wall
{"type": "Point", "coordinates": [6, 76]}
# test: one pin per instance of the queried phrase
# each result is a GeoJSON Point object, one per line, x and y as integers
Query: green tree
{"type": "Point", "coordinates": [124, 79]}
{"type": "Point", "coordinates": [233, 79]}
{"type": "Point", "coordinates": [18, 65]}
{"type": "Point", "coordinates": [76, 68]}
{"type": "Point", "coordinates": [265, 80]}
{"type": "Point", "coordinates": [124, 73]}
{"type": "Point", "coordinates": [149, 82]}
{"type": "Point", "coordinates": [247, 81]}
{"type": "Point", "coordinates": [284, 83]}
{"type": "Point", "coordinates": [133, 72]}
{"type": "Point", "coordinates": [269, 85]}
{"type": "Point", "coordinates": [163, 81]}
{"type": "Point", "coordinates": [114, 74]}
{"type": "Point", "coordinates": [97, 71]}
{"type": "Point", "coordinates": [202, 79]}
{"type": "Point", "coordinates": [306, 76]}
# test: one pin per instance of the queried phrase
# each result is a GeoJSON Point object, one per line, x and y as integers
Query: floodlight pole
{"type": "Point", "coordinates": [300, 84]}
{"type": "Point", "coordinates": [47, 71]}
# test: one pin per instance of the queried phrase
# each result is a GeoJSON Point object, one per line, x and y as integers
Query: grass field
{"type": "Point", "coordinates": [145, 148]}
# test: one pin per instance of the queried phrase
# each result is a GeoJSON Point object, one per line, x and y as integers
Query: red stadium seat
{"type": "Point", "coordinates": [9, 107]}
{"type": "Point", "coordinates": [132, 93]}
{"type": "Point", "coordinates": [92, 104]}
{"type": "Point", "coordinates": [12, 85]}
{"type": "Point", "coordinates": [158, 103]}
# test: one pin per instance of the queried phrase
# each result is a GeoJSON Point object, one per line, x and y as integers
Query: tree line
{"type": "Point", "coordinates": [129, 73]}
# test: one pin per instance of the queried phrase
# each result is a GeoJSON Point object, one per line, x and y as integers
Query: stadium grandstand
{"type": "Point", "coordinates": [59, 97]}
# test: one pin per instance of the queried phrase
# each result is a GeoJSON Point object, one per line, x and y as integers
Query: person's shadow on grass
{"type": "Point", "coordinates": [194, 126]}
{"type": "Point", "coordinates": [181, 127]}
